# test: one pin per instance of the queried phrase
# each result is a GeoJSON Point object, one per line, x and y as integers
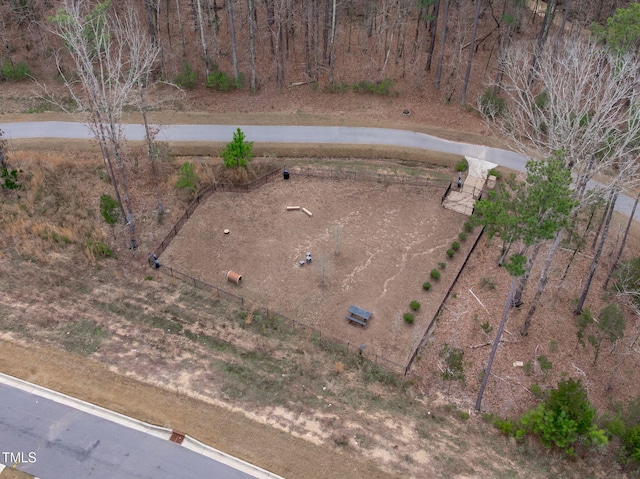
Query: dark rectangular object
{"type": "Point", "coordinates": [177, 437]}
{"type": "Point", "coordinates": [358, 315]}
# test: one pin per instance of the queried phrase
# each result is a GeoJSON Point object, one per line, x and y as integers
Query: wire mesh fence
{"type": "Point", "coordinates": [366, 176]}
{"type": "Point", "coordinates": [317, 334]}
{"type": "Point", "coordinates": [414, 354]}
{"type": "Point", "coordinates": [327, 339]}
{"type": "Point", "coordinates": [217, 292]}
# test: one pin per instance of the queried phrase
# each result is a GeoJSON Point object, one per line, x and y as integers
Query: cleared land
{"type": "Point", "coordinates": [372, 245]}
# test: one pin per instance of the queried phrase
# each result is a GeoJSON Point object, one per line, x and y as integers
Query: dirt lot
{"type": "Point", "coordinates": [372, 245]}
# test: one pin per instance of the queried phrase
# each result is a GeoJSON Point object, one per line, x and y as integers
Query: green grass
{"type": "Point", "coordinates": [83, 337]}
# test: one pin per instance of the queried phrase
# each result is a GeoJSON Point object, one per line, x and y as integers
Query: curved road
{"type": "Point", "coordinates": [293, 134]}
{"type": "Point", "coordinates": [55, 441]}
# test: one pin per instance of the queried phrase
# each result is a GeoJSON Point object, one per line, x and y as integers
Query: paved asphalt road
{"type": "Point", "coordinates": [294, 134]}
{"type": "Point", "coordinates": [55, 441]}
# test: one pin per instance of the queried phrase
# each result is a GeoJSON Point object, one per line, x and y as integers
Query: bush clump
{"type": "Point", "coordinates": [462, 165]}
{"type": "Point", "coordinates": [462, 236]}
{"type": "Point", "coordinates": [187, 178]}
{"type": "Point", "coordinates": [219, 80]}
{"type": "Point", "coordinates": [408, 318]}
{"type": "Point", "coordinates": [564, 419]}
{"type": "Point", "coordinates": [187, 78]}
{"type": "Point", "coordinates": [11, 72]}
{"type": "Point", "coordinates": [337, 87]}
{"type": "Point", "coordinates": [426, 286]}
{"type": "Point", "coordinates": [450, 253]}
{"type": "Point", "coordinates": [435, 274]}
{"type": "Point", "coordinates": [491, 104]}
{"type": "Point", "coordinates": [496, 173]}
{"type": "Point", "coordinates": [414, 305]}
{"type": "Point", "coordinates": [455, 246]}
{"type": "Point", "coordinates": [383, 87]}
{"type": "Point", "coordinates": [468, 226]}
{"type": "Point", "coordinates": [98, 249]}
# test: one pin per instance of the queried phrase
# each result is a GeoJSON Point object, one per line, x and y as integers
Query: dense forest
{"type": "Point", "coordinates": [275, 43]}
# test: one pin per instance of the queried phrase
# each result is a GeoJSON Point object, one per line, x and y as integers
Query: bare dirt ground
{"type": "Point", "coordinates": [372, 245]}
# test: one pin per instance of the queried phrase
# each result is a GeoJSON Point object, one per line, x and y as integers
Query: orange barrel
{"type": "Point", "coordinates": [234, 277]}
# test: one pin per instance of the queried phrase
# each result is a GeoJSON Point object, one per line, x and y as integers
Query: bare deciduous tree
{"type": "Point", "coordinates": [111, 56]}
{"type": "Point", "coordinates": [472, 46]}
{"type": "Point", "coordinates": [232, 34]}
{"type": "Point", "coordinates": [582, 103]}
{"type": "Point", "coordinates": [443, 37]}
{"type": "Point", "coordinates": [252, 48]}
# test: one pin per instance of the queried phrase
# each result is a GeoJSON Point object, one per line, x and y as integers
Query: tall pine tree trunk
{"type": "Point", "coordinates": [325, 30]}
{"type": "Point", "coordinates": [605, 213]}
{"type": "Point", "coordinates": [542, 36]}
{"type": "Point", "coordinates": [496, 343]}
{"type": "Point", "coordinates": [624, 242]}
{"type": "Point", "coordinates": [307, 39]}
{"type": "Point", "coordinates": [184, 43]}
{"type": "Point", "coordinates": [472, 46]}
{"type": "Point", "coordinates": [563, 25]}
{"type": "Point", "coordinates": [596, 258]}
{"type": "Point", "coordinates": [205, 48]}
{"type": "Point", "coordinates": [443, 38]}
{"type": "Point", "coordinates": [522, 284]}
{"type": "Point", "coordinates": [433, 27]}
{"type": "Point", "coordinates": [332, 53]}
{"type": "Point", "coordinates": [252, 47]}
{"type": "Point", "coordinates": [232, 34]}
{"type": "Point", "coordinates": [151, 9]}
{"type": "Point", "coordinates": [544, 277]}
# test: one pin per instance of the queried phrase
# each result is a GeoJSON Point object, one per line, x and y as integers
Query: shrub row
{"type": "Point", "coordinates": [14, 72]}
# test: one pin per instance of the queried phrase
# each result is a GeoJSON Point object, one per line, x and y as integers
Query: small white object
{"type": "Point", "coordinates": [309, 213]}
{"type": "Point", "coordinates": [226, 231]}
{"type": "Point", "coordinates": [518, 364]}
